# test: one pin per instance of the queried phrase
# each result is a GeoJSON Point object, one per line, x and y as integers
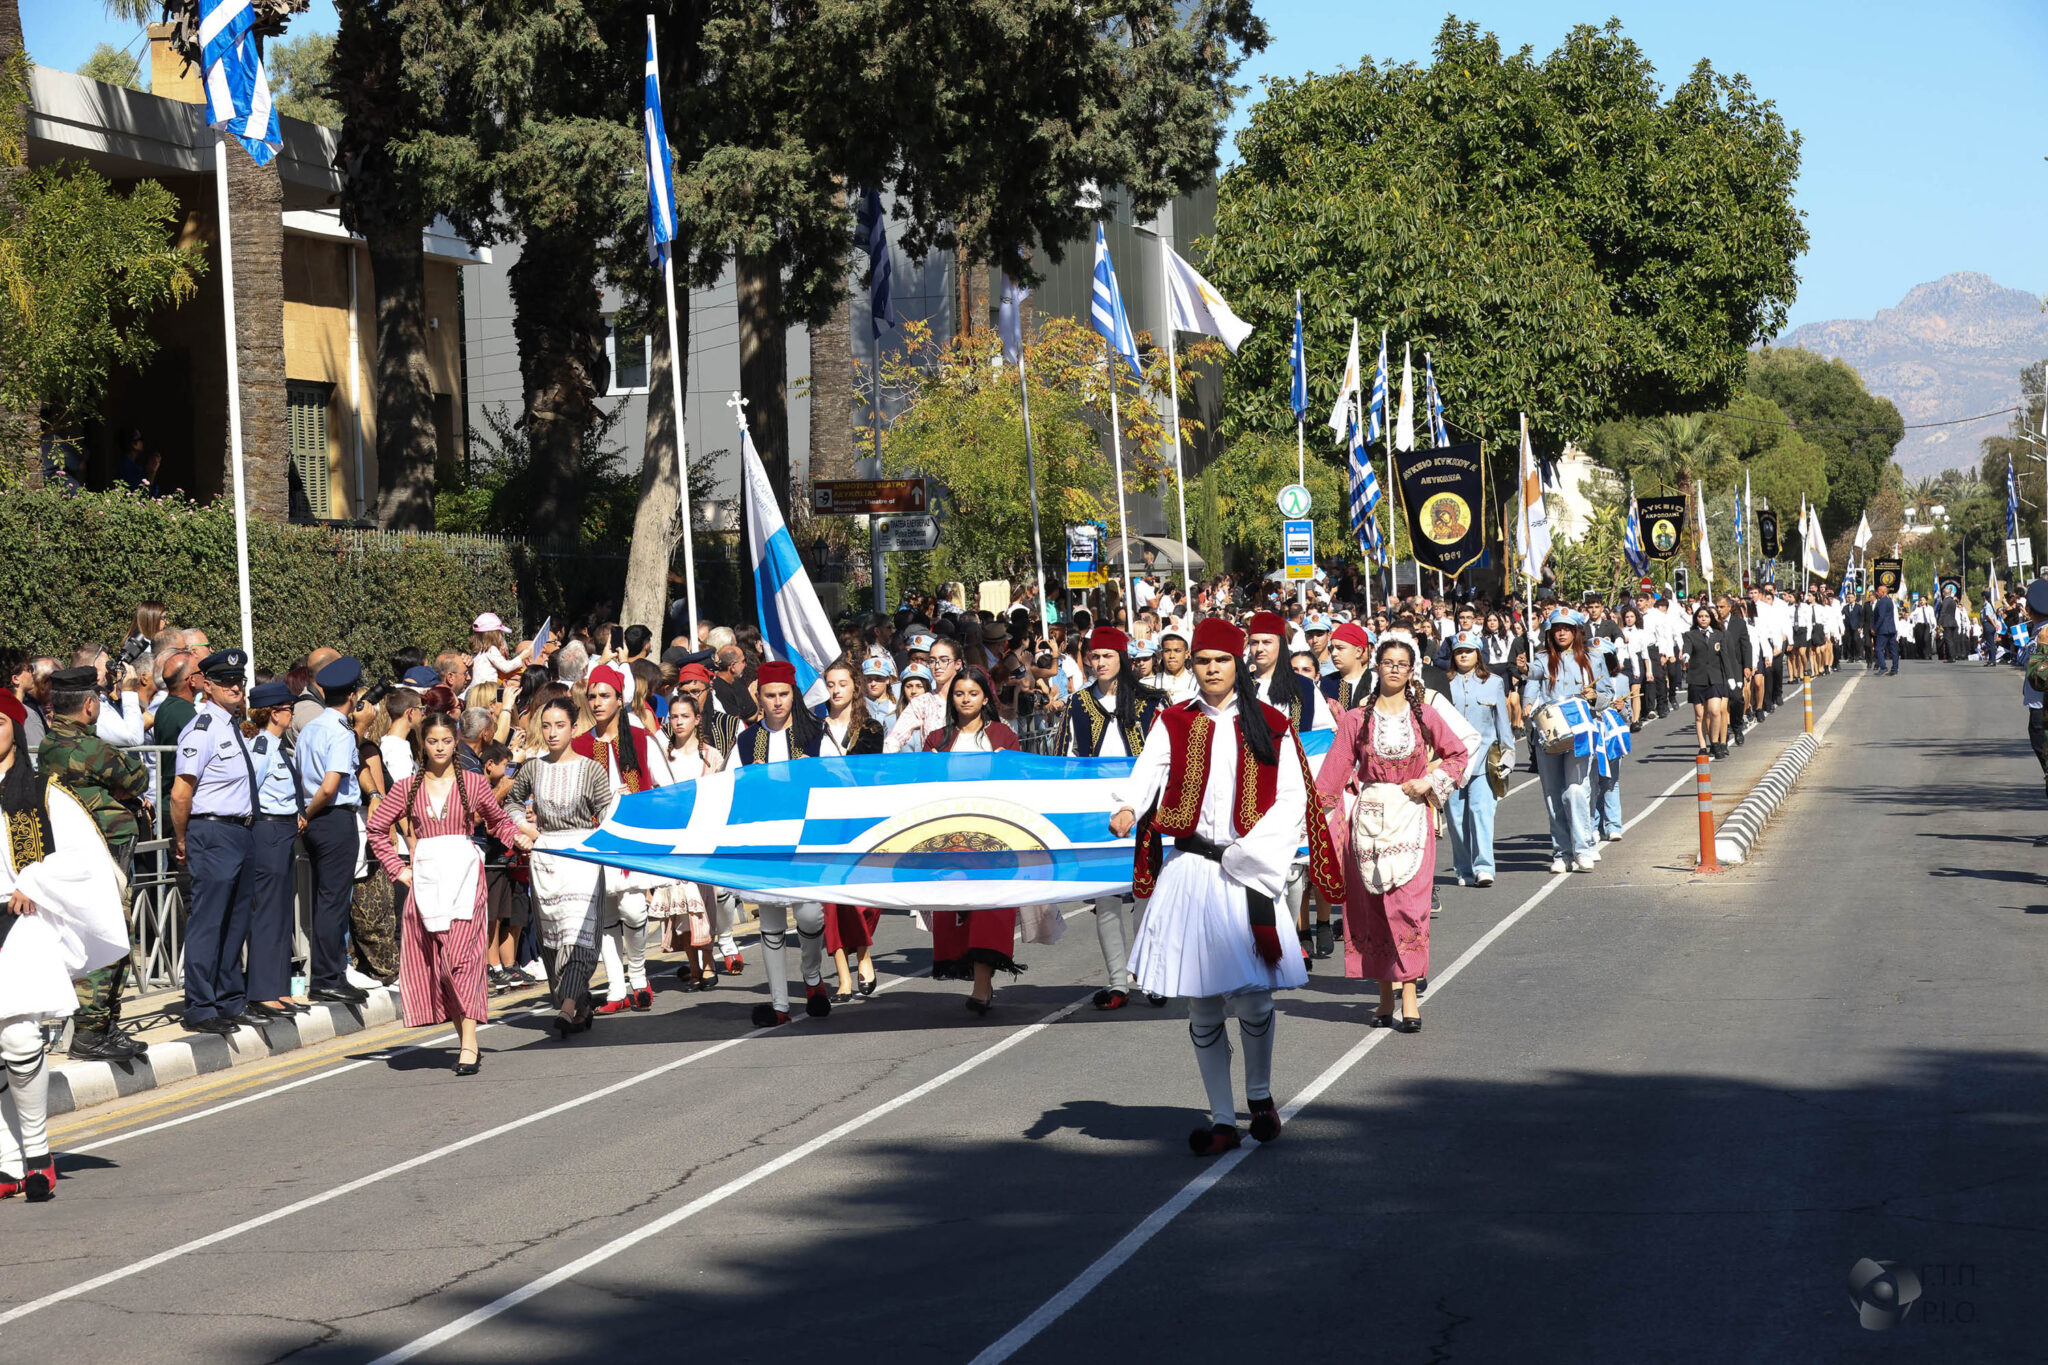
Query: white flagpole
{"type": "Point", "coordinates": [1116, 444]}
{"type": "Point", "coordinates": [1393, 490]}
{"type": "Point", "coordinates": [1522, 497]}
{"type": "Point", "coordinates": [1180, 482]}
{"type": "Point", "coordinates": [1031, 466]}
{"type": "Point", "coordinates": [675, 383]}
{"type": "Point", "coordinates": [227, 294]}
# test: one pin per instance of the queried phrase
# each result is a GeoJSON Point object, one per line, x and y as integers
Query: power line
{"type": "Point", "coordinates": [1909, 426]}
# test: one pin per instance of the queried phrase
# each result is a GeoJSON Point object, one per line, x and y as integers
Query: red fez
{"type": "Point", "coordinates": [11, 707]}
{"type": "Point", "coordinates": [1216, 635]}
{"type": "Point", "coordinates": [693, 673]}
{"type": "Point", "coordinates": [604, 675]}
{"type": "Point", "coordinates": [1109, 637]}
{"type": "Point", "coordinates": [1266, 623]}
{"type": "Point", "coordinates": [1351, 633]}
{"type": "Point", "coordinates": [776, 671]}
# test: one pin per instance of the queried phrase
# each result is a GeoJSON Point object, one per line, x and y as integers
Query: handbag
{"type": "Point", "coordinates": [1500, 766]}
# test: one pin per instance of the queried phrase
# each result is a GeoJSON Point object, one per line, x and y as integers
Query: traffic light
{"type": "Point", "coordinates": [1681, 582]}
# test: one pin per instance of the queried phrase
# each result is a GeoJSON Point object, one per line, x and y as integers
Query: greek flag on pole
{"type": "Point", "coordinates": [929, 831]}
{"type": "Point", "coordinates": [1612, 744]}
{"type": "Point", "coordinates": [237, 91]}
{"type": "Point", "coordinates": [794, 625]}
{"type": "Point", "coordinates": [2012, 502]}
{"type": "Point", "coordinates": [661, 185]}
{"type": "Point", "coordinates": [1299, 397]}
{"type": "Point", "coordinates": [1365, 499]}
{"type": "Point", "coordinates": [1632, 539]}
{"type": "Point", "coordinates": [1376, 408]}
{"type": "Point", "coordinates": [873, 226]}
{"type": "Point", "coordinates": [1439, 434]}
{"type": "Point", "coordinates": [1106, 308]}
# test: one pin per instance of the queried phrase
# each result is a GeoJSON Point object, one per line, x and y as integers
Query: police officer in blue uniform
{"type": "Point", "coordinates": [273, 841]}
{"type": "Point", "coordinates": [327, 780]}
{"type": "Point", "coordinates": [212, 807]}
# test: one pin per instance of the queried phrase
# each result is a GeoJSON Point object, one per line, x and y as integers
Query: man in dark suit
{"type": "Point", "coordinates": [1885, 632]}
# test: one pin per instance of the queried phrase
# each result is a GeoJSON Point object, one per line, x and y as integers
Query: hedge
{"type": "Point", "coordinates": [75, 565]}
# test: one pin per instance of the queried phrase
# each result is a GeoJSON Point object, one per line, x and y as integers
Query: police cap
{"type": "Point", "coordinates": [341, 674]}
{"type": "Point", "coordinates": [2037, 597]}
{"type": "Point", "coordinates": [276, 692]}
{"type": "Point", "coordinates": [224, 665]}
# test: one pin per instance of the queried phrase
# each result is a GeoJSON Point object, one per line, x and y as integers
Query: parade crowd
{"type": "Point", "coordinates": [429, 796]}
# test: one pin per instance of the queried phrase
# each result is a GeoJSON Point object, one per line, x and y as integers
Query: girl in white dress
{"type": "Point", "coordinates": [568, 797]}
{"type": "Point", "coordinates": [688, 907]}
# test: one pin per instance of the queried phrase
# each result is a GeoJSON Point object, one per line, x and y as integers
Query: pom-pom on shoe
{"type": "Point", "coordinates": [817, 1000]}
{"type": "Point", "coordinates": [1265, 1119]}
{"type": "Point", "coordinates": [1215, 1141]}
{"type": "Point", "coordinates": [767, 1016]}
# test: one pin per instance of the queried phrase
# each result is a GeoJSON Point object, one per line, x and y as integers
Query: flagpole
{"type": "Point", "coordinates": [1522, 498]}
{"type": "Point", "coordinates": [1180, 482]}
{"type": "Point", "coordinates": [1393, 488]}
{"type": "Point", "coordinates": [1031, 467]}
{"type": "Point", "coordinates": [1116, 442]}
{"type": "Point", "coordinates": [227, 292]}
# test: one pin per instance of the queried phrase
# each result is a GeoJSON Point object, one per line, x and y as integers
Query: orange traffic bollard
{"type": "Point", "coordinates": [1809, 706]}
{"type": "Point", "coordinates": [1707, 862]}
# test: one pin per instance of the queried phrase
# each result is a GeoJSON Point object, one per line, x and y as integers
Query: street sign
{"type": "Point", "coordinates": [844, 497]}
{"type": "Point", "coordinates": [1082, 543]}
{"type": "Point", "coordinates": [2019, 553]}
{"type": "Point", "coordinates": [1298, 546]}
{"type": "Point", "coordinates": [905, 535]}
{"type": "Point", "coordinates": [1293, 501]}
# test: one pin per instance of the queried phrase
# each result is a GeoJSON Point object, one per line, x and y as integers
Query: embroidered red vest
{"type": "Point", "coordinates": [1179, 808]}
{"type": "Point", "coordinates": [600, 752]}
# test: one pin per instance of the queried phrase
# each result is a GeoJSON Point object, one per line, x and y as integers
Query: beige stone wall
{"type": "Point", "coordinates": [316, 349]}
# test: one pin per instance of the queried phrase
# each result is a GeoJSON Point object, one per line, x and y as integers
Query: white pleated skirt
{"type": "Point", "coordinates": [1196, 937]}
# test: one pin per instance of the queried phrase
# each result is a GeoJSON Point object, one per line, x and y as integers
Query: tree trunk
{"type": "Point", "coordinates": [256, 229]}
{"type": "Point", "coordinates": [764, 365]}
{"type": "Point", "coordinates": [832, 395]}
{"type": "Point", "coordinates": [404, 383]}
{"type": "Point", "coordinates": [558, 323]}
{"type": "Point", "coordinates": [19, 431]}
{"type": "Point", "coordinates": [656, 524]}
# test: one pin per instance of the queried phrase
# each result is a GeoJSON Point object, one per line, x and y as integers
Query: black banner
{"type": "Point", "coordinates": [1886, 573]}
{"type": "Point", "coordinates": [1663, 525]}
{"type": "Point", "coordinates": [1444, 494]}
{"type": "Point", "coordinates": [1767, 533]}
{"type": "Point", "coordinates": [1951, 585]}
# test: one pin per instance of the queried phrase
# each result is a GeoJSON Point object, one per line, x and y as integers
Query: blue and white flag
{"type": "Point", "coordinates": [1583, 723]}
{"type": "Point", "coordinates": [1612, 744]}
{"type": "Point", "coordinates": [237, 91]}
{"type": "Point", "coordinates": [1439, 434]}
{"type": "Point", "coordinates": [661, 184]}
{"type": "Point", "coordinates": [1298, 395]}
{"type": "Point", "coordinates": [1376, 406]}
{"type": "Point", "coordinates": [892, 831]}
{"type": "Point", "coordinates": [2012, 502]}
{"type": "Point", "coordinates": [1632, 538]}
{"type": "Point", "coordinates": [1106, 307]}
{"type": "Point", "coordinates": [1365, 499]}
{"type": "Point", "coordinates": [1010, 320]}
{"type": "Point", "coordinates": [873, 226]}
{"type": "Point", "coordinates": [794, 625]}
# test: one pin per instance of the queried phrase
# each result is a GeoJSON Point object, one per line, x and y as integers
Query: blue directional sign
{"type": "Point", "coordinates": [1298, 549]}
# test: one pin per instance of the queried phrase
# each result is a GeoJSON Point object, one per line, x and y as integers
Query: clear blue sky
{"type": "Point", "coordinates": [1925, 128]}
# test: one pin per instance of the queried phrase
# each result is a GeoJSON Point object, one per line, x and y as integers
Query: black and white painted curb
{"type": "Point", "coordinates": [80, 1085]}
{"type": "Point", "coordinates": [1738, 833]}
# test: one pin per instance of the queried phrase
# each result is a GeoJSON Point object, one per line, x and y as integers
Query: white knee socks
{"type": "Point", "coordinates": [774, 934]}
{"type": "Point", "coordinates": [25, 1101]}
{"type": "Point", "coordinates": [1112, 933]}
{"type": "Point", "coordinates": [1212, 1054]}
{"type": "Point", "coordinates": [1255, 1022]}
{"type": "Point", "coordinates": [810, 935]}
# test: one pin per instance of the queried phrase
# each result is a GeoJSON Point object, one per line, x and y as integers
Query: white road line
{"type": "Point", "coordinates": [726, 1191]}
{"type": "Point", "coordinates": [1820, 731]}
{"type": "Point", "coordinates": [1112, 1260]}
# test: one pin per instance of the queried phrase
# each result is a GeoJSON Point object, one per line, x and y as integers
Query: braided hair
{"type": "Point", "coordinates": [1411, 692]}
{"type": "Point", "coordinates": [1251, 719]}
{"type": "Point", "coordinates": [438, 720]}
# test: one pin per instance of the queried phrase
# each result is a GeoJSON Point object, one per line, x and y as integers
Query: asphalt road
{"type": "Point", "coordinates": [1653, 1117]}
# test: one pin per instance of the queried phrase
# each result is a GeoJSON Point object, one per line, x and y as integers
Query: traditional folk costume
{"type": "Point", "coordinates": [446, 918]}
{"type": "Point", "coordinates": [568, 799]}
{"type": "Point", "coordinates": [1390, 857]}
{"type": "Point", "coordinates": [1306, 708]}
{"type": "Point", "coordinates": [850, 929]}
{"type": "Point", "coordinates": [1210, 933]}
{"type": "Point", "coordinates": [963, 938]}
{"type": "Point", "coordinates": [622, 925]}
{"type": "Point", "coordinates": [722, 731]}
{"type": "Point", "coordinates": [55, 855]}
{"type": "Point", "coordinates": [1093, 732]}
{"type": "Point", "coordinates": [760, 744]}
{"type": "Point", "coordinates": [688, 910]}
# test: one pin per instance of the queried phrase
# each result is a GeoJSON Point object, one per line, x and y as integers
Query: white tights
{"type": "Point", "coordinates": [810, 935]}
{"type": "Point", "coordinates": [624, 947]}
{"type": "Point", "coordinates": [25, 1100]}
{"type": "Point", "coordinates": [1254, 1011]}
{"type": "Point", "coordinates": [1113, 919]}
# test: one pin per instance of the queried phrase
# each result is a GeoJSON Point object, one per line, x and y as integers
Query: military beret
{"type": "Point", "coordinates": [2037, 597]}
{"type": "Point", "coordinates": [341, 673]}
{"type": "Point", "coordinates": [224, 665]}
{"type": "Point", "coordinates": [276, 692]}
{"type": "Point", "coordinates": [82, 679]}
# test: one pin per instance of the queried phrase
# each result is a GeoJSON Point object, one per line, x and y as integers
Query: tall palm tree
{"type": "Point", "coordinates": [1673, 451]}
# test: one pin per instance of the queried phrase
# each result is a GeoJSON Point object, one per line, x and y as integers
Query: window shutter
{"type": "Point", "coordinates": [307, 408]}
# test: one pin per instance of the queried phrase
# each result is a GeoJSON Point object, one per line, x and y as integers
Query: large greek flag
{"type": "Point", "coordinates": [1632, 538]}
{"type": "Point", "coordinates": [873, 226]}
{"type": "Point", "coordinates": [1365, 499]}
{"type": "Point", "coordinates": [892, 831]}
{"type": "Point", "coordinates": [661, 185]}
{"type": "Point", "coordinates": [1298, 392]}
{"type": "Point", "coordinates": [794, 625]}
{"type": "Point", "coordinates": [1438, 432]}
{"type": "Point", "coordinates": [1376, 407]}
{"type": "Point", "coordinates": [1106, 307]}
{"type": "Point", "coordinates": [237, 91]}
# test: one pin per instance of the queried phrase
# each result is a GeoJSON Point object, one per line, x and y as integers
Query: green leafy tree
{"type": "Point", "coordinates": [1239, 486]}
{"type": "Point", "coordinates": [113, 66]}
{"type": "Point", "coordinates": [300, 71]}
{"type": "Point", "coordinates": [1561, 237]}
{"type": "Point", "coordinates": [1826, 401]}
{"type": "Point", "coordinates": [82, 270]}
{"type": "Point", "coordinates": [18, 428]}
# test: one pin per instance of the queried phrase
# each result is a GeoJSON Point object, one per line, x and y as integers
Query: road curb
{"type": "Point", "coordinates": [80, 1085]}
{"type": "Point", "coordinates": [1739, 832]}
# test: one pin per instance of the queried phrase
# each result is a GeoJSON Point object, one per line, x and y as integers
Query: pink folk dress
{"type": "Point", "coordinates": [1387, 936]}
{"type": "Point", "coordinates": [440, 974]}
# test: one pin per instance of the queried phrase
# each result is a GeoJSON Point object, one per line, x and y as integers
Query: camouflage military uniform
{"type": "Point", "coordinates": [108, 783]}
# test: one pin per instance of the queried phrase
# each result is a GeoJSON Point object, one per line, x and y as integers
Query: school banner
{"type": "Point", "coordinates": [1663, 521]}
{"type": "Point", "coordinates": [1887, 574]}
{"type": "Point", "coordinates": [1443, 492]}
{"type": "Point", "coordinates": [1767, 534]}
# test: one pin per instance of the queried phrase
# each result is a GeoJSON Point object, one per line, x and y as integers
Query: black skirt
{"type": "Point", "coordinates": [1701, 693]}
